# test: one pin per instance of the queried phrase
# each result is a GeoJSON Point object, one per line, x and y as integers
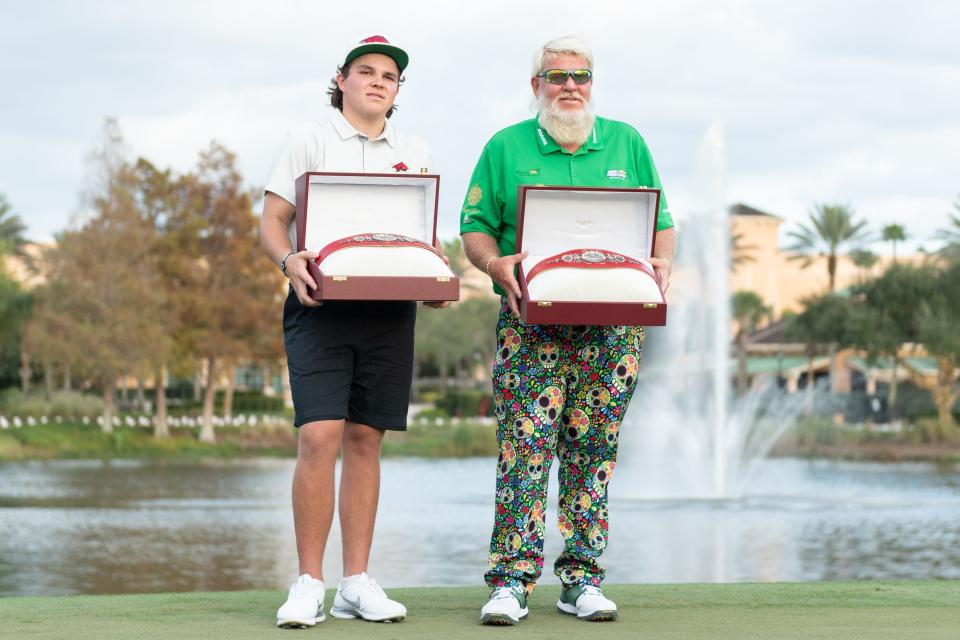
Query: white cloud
{"type": "Point", "coordinates": [854, 102]}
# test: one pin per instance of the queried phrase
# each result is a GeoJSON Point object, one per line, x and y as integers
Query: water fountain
{"type": "Point", "coordinates": [685, 435]}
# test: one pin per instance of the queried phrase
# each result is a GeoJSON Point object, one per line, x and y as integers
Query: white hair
{"type": "Point", "coordinates": [564, 44]}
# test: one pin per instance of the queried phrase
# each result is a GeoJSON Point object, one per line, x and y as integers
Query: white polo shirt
{"type": "Point", "coordinates": [334, 145]}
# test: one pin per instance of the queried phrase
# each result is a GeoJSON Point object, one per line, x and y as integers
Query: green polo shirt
{"type": "Point", "coordinates": [614, 155]}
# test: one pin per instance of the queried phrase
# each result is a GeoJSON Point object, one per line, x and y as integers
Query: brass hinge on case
{"type": "Point", "coordinates": [339, 278]}
{"type": "Point", "coordinates": [650, 305]}
{"type": "Point", "coordinates": [443, 279]}
{"type": "Point", "coordinates": [544, 304]}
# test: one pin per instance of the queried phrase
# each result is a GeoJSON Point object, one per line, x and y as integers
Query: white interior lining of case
{"type": "Point", "coordinates": [385, 261]}
{"type": "Point", "coordinates": [559, 221]}
{"type": "Point", "coordinates": [343, 206]}
{"type": "Point", "coordinates": [566, 284]}
{"type": "Point", "coordinates": [355, 205]}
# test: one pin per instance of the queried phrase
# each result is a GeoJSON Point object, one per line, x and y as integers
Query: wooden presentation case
{"type": "Point", "coordinates": [552, 220]}
{"type": "Point", "coordinates": [334, 205]}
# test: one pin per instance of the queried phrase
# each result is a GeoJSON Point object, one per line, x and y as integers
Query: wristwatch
{"type": "Point", "coordinates": [283, 263]}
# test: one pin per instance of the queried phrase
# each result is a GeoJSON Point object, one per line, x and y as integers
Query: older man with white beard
{"type": "Point", "coordinates": [567, 406]}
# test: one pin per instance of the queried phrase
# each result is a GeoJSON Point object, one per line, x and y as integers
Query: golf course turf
{"type": "Point", "coordinates": [808, 611]}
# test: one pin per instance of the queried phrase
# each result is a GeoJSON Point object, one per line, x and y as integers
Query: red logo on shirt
{"type": "Point", "coordinates": [401, 167]}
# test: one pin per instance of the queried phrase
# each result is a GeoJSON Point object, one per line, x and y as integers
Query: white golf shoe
{"type": "Point", "coordinates": [304, 605]}
{"type": "Point", "coordinates": [587, 602]}
{"type": "Point", "coordinates": [507, 605]}
{"type": "Point", "coordinates": [360, 596]}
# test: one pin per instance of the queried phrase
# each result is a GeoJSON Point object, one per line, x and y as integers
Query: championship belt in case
{"type": "Point", "coordinates": [374, 240]}
{"type": "Point", "coordinates": [590, 259]}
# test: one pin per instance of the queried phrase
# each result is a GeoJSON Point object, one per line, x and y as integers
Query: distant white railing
{"type": "Point", "coordinates": [143, 421]}
{"type": "Point", "coordinates": [146, 422]}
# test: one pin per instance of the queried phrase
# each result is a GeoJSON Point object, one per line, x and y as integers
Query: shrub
{"type": "Point", "coordinates": [60, 403]}
{"type": "Point", "coordinates": [466, 402]}
{"type": "Point", "coordinates": [253, 402]}
{"type": "Point", "coordinates": [431, 414]}
{"type": "Point", "coordinates": [816, 430]}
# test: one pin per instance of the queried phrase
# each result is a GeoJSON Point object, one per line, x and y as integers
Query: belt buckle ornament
{"type": "Point", "coordinates": [593, 257]}
{"type": "Point", "coordinates": [374, 239]}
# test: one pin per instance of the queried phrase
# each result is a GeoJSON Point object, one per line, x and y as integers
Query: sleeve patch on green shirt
{"type": "Point", "coordinates": [475, 195]}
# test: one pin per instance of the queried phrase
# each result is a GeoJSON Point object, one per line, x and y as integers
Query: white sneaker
{"type": "Point", "coordinates": [361, 597]}
{"type": "Point", "coordinates": [587, 602]}
{"type": "Point", "coordinates": [507, 605]}
{"type": "Point", "coordinates": [304, 605]}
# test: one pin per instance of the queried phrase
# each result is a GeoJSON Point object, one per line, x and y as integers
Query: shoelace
{"type": "Point", "coordinates": [504, 592]}
{"type": "Point", "coordinates": [590, 590]}
{"type": "Point", "coordinates": [300, 588]}
{"type": "Point", "coordinates": [377, 588]}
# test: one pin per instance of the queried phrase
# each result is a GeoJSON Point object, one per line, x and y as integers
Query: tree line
{"type": "Point", "coordinates": [908, 304]}
{"type": "Point", "coordinates": [162, 274]}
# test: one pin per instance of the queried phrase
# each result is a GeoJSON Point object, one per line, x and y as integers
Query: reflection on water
{"type": "Point", "coordinates": [127, 527]}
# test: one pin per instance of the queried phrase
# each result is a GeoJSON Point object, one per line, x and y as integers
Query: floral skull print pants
{"type": "Point", "coordinates": [558, 391]}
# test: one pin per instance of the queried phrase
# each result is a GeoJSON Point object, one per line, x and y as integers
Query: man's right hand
{"type": "Point", "coordinates": [300, 278]}
{"type": "Point", "coordinates": [501, 270]}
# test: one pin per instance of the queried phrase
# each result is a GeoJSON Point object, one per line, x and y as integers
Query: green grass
{"type": "Point", "coordinates": [808, 611]}
{"type": "Point", "coordinates": [448, 440]}
{"type": "Point", "coordinates": [72, 440]}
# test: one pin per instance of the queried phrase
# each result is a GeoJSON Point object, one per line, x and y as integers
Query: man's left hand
{"type": "Point", "coordinates": [663, 267]}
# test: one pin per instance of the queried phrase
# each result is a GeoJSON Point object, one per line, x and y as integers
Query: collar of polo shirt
{"type": "Point", "coordinates": [548, 145]}
{"type": "Point", "coordinates": [346, 130]}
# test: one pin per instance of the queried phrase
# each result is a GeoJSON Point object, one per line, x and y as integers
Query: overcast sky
{"type": "Point", "coordinates": [841, 101]}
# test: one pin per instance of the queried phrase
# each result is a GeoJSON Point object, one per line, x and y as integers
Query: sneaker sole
{"type": "Point", "coordinates": [299, 623]}
{"type": "Point", "coordinates": [605, 615]}
{"type": "Point", "coordinates": [502, 619]}
{"type": "Point", "coordinates": [347, 614]}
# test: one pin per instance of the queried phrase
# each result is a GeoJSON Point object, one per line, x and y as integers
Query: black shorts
{"type": "Point", "coordinates": [350, 360]}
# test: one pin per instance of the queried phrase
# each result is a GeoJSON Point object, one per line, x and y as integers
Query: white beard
{"type": "Point", "coordinates": [566, 126]}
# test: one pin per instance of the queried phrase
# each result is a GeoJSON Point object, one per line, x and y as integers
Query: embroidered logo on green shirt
{"type": "Point", "coordinates": [527, 172]}
{"type": "Point", "coordinates": [475, 195]}
{"type": "Point", "coordinates": [618, 174]}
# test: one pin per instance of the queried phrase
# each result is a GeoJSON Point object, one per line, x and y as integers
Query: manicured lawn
{"type": "Point", "coordinates": [73, 441]}
{"type": "Point", "coordinates": [808, 611]}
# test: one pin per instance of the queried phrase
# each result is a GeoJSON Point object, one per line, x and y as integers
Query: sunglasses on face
{"type": "Point", "coordinates": [559, 76]}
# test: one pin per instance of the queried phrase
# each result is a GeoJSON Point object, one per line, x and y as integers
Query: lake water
{"type": "Point", "coordinates": [95, 527]}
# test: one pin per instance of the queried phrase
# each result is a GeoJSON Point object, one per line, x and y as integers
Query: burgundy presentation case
{"type": "Point", "coordinates": [369, 228]}
{"type": "Point", "coordinates": [583, 226]}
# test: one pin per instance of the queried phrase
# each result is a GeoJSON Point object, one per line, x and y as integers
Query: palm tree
{"type": "Point", "coordinates": [11, 228]}
{"type": "Point", "coordinates": [951, 236]}
{"type": "Point", "coordinates": [865, 260]}
{"type": "Point", "coordinates": [937, 322]}
{"type": "Point", "coordinates": [831, 227]}
{"type": "Point", "coordinates": [823, 321]}
{"type": "Point", "coordinates": [749, 311]}
{"type": "Point", "coordinates": [894, 233]}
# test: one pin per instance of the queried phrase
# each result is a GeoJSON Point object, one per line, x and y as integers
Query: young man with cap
{"type": "Point", "coordinates": [350, 363]}
{"type": "Point", "coordinates": [569, 405]}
